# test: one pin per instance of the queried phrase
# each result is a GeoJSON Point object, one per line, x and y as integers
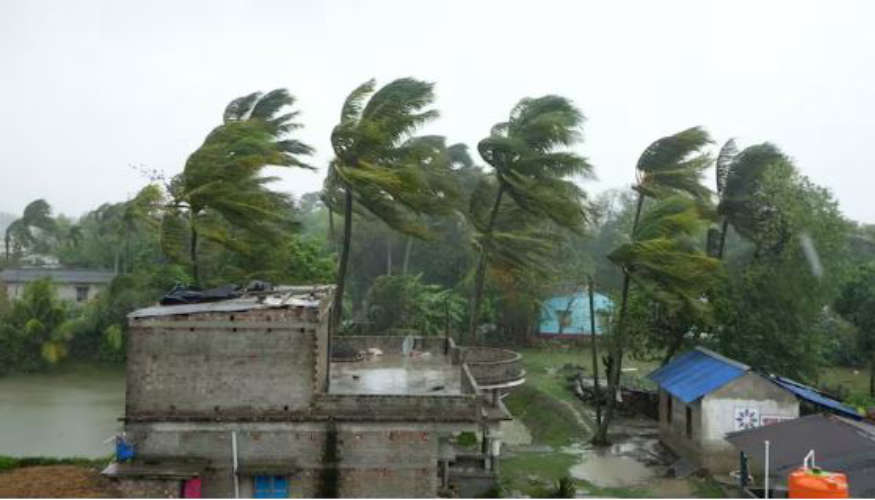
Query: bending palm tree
{"type": "Point", "coordinates": [671, 165]}
{"type": "Point", "coordinates": [221, 184]}
{"type": "Point", "coordinates": [37, 214]}
{"type": "Point", "coordinates": [379, 166]}
{"type": "Point", "coordinates": [531, 169]}
{"type": "Point", "coordinates": [738, 182]}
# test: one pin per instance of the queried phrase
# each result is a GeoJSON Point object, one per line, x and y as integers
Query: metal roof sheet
{"type": "Point", "coordinates": [812, 395]}
{"type": "Point", "coordinates": [281, 296]}
{"type": "Point", "coordinates": [696, 373]}
{"type": "Point", "coordinates": [57, 275]}
{"type": "Point", "coordinates": [839, 445]}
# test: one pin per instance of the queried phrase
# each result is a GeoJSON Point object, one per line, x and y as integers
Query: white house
{"type": "Point", "coordinates": [703, 396]}
{"type": "Point", "coordinates": [75, 285]}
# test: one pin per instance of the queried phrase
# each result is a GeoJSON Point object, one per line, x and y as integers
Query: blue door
{"type": "Point", "coordinates": [271, 487]}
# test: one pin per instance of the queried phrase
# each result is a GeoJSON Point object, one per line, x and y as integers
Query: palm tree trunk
{"type": "Point", "coordinates": [407, 247]}
{"type": "Point", "coordinates": [872, 377]}
{"type": "Point", "coordinates": [389, 256]}
{"type": "Point", "coordinates": [723, 238]}
{"type": "Point", "coordinates": [673, 348]}
{"type": "Point", "coordinates": [331, 228]}
{"type": "Point", "coordinates": [597, 397]}
{"type": "Point", "coordinates": [481, 269]}
{"type": "Point", "coordinates": [195, 272]}
{"type": "Point", "coordinates": [601, 437]}
{"type": "Point", "coordinates": [337, 309]}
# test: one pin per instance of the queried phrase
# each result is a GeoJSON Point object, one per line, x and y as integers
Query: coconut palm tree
{"type": "Point", "coordinates": [531, 167]}
{"type": "Point", "coordinates": [738, 179]}
{"type": "Point", "coordinates": [221, 186]}
{"type": "Point", "coordinates": [671, 166]}
{"type": "Point", "coordinates": [37, 215]}
{"type": "Point", "coordinates": [384, 170]}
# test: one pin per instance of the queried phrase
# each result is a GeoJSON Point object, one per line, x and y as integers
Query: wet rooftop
{"type": "Point", "coordinates": [422, 374]}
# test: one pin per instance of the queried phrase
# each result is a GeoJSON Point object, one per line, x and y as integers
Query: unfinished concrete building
{"type": "Point", "coordinates": [240, 398]}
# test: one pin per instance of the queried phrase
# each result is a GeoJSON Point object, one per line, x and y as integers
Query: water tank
{"type": "Point", "coordinates": [816, 483]}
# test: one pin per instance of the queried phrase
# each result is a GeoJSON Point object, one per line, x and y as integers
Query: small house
{"type": "Point", "coordinates": [567, 315]}
{"type": "Point", "coordinates": [703, 396]}
{"type": "Point", "coordinates": [75, 285]}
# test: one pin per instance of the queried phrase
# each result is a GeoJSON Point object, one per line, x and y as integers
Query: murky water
{"type": "Point", "coordinates": [63, 414]}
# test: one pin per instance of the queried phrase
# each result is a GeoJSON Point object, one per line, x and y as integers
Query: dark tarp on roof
{"type": "Point", "coordinates": [812, 395]}
{"type": "Point", "coordinates": [839, 444]}
{"type": "Point", "coordinates": [696, 373]}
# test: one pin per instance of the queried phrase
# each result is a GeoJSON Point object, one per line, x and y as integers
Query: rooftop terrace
{"type": "Point", "coordinates": [394, 373]}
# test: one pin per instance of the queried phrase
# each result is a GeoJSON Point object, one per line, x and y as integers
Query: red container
{"type": "Point", "coordinates": [815, 483]}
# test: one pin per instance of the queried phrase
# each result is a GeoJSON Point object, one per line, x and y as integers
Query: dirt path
{"type": "Point", "coordinates": [55, 481]}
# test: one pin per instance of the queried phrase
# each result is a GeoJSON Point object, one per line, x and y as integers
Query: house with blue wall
{"type": "Point", "coordinates": [567, 315]}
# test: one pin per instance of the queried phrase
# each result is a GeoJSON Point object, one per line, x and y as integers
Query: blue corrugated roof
{"type": "Point", "coordinates": [810, 394]}
{"type": "Point", "coordinates": [696, 373]}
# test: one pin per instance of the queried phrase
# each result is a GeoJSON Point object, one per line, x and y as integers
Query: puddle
{"type": "Point", "coordinates": [611, 471]}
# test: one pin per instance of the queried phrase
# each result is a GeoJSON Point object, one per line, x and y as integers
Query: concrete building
{"type": "Point", "coordinates": [567, 315]}
{"type": "Point", "coordinates": [75, 285]}
{"type": "Point", "coordinates": [240, 398]}
{"type": "Point", "coordinates": [703, 396]}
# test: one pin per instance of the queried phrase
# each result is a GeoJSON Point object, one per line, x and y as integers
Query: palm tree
{"type": "Point", "coordinates": [379, 166]}
{"type": "Point", "coordinates": [221, 185]}
{"type": "Point", "coordinates": [738, 180]}
{"type": "Point", "coordinates": [670, 166]}
{"type": "Point", "coordinates": [531, 168]}
{"type": "Point", "coordinates": [37, 215]}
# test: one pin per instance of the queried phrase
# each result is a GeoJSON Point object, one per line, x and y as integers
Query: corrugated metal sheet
{"type": "Point", "coordinates": [696, 373]}
{"type": "Point", "coordinates": [283, 296]}
{"type": "Point", "coordinates": [57, 275]}
{"type": "Point", "coordinates": [810, 394]}
{"type": "Point", "coordinates": [839, 445]}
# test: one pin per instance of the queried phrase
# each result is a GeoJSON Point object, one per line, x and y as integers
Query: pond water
{"type": "Point", "coordinates": [67, 413]}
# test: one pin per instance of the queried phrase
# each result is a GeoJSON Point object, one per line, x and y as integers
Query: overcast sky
{"type": "Point", "coordinates": [90, 88]}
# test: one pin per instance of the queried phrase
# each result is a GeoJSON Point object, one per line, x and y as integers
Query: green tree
{"type": "Point", "coordinates": [221, 187]}
{"type": "Point", "coordinates": [856, 303]}
{"type": "Point", "coordinates": [739, 179]}
{"type": "Point", "coordinates": [531, 167]}
{"type": "Point", "coordinates": [658, 257]}
{"type": "Point", "coordinates": [379, 166]}
{"type": "Point", "coordinates": [35, 332]}
{"type": "Point", "coordinates": [20, 235]}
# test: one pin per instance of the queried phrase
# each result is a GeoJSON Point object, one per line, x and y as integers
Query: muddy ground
{"type": "Point", "coordinates": [55, 481]}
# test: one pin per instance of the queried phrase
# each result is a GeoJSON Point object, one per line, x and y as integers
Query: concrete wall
{"type": "Point", "coordinates": [713, 416]}
{"type": "Point", "coordinates": [66, 291]}
{"type": "Point", "coordinates": [149, 488]}
{"type": "Point", "coordinates": [225, 363]}
{"type": "Point", "coordinates": [375, 459]}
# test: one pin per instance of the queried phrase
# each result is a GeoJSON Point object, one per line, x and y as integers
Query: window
{"type": "Point", "coordinates": [689, 423]}
{"type": "Point", "coordinates": [81, 293]}
{"type": "Point", "coordinates": [271, 487]}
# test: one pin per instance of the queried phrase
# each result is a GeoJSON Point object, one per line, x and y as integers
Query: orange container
{"type": "Point", "coordinates": [815, 483]}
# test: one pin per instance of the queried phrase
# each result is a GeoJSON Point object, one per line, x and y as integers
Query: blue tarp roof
{"type": "Point", "coordinates": [696, 373]}
{"type": "Point", "coordinates": [812, 395]}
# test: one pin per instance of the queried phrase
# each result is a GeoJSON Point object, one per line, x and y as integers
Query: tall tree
{"type": "Point", "coordinates": [37, 215]}
{"type": "Point", "coordinates": [670, 166]}
{"type": "Point", "coordinates": [739, 181]}
{"type": "Point", "coordinates": [531, 166]}
{"type": "Point", "coordinates": [221, 185]}
{"type": "Point", "coordinates": [378, 164]}
{"type": "Point", "coordinates": [856, 303]}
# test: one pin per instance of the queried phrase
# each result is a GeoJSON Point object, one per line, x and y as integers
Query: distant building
{"type": "Point", "coordinates": [703, 396]}
{"type": "Point", "coordinates": [75, 285]}
{"type": "Point", "coordinates": [567, 315]}
{"type": "Point", "coordinates": [241, 398]}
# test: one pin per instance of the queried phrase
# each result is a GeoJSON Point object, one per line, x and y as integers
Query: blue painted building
{"type": "Point", "coordinates": [572, 311]}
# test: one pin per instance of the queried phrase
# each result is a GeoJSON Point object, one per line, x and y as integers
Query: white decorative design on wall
{"type": "Point", "coordinates": [746, 418]}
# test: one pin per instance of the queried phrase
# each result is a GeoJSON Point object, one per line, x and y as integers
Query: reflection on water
{"type": "Point", "coordinates": [70, 413]}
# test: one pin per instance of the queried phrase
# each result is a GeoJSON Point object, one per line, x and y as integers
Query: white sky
{"type": "Point", "coordinates": [93, 87]}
